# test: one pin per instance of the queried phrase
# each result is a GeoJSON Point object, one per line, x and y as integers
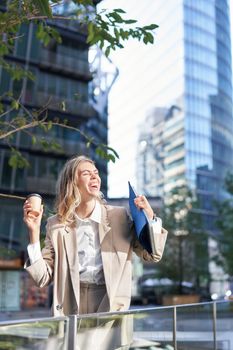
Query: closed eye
{"type": "Point", "coordinates": [88, 172]}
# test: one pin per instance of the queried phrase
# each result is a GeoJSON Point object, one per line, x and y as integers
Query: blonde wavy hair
{"type": "Point", "coordinates": [68, 196]}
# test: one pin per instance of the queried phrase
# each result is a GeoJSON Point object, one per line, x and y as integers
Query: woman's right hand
{"type": "Point", "coordinates": [32, 222]}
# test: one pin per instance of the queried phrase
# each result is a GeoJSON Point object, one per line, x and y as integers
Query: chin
{"type": "Point", "coordinates": [95, 193]}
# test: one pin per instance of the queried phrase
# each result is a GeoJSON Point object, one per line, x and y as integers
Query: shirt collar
{"type": "Point", "coordinates": [95, 215]}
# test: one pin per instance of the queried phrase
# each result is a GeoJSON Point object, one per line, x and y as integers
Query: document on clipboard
{"type": "Point", "coordinates": [143, 226]}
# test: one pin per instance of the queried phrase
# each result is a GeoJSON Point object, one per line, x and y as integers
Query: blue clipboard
{"type": "Point", "coordinates": [141, 222]}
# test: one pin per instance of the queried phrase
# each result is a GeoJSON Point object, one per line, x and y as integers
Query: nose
{"type": "Point", "coordinates": [93, 174]}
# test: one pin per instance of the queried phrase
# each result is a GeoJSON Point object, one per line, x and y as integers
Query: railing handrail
{"type": "Point", "coordinates": [146, 309]}
{"type": "Point", "coordinates": [113, 313]}
{"type": "Point", "coordinates": [33, 320]}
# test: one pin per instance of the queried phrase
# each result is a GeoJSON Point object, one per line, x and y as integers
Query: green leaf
{"type": "Point", "coordinates": [46, 40]}
{"type": "Point", "coordinates": [101, 44]}
{"type": "Point", "coordinates": [91, 32]}
{"type": "Point", "coordinates": [130, 21]}
{"type": "Point", "coordinates": [15, 104]}
{"type": "Point", "coordinates": [17, 160]}
{"type": "Point", "coordinates": [117, 34]}
{"type": "Point", "coordinates": [3, 49]}
{"type": "Point", "coordinates": [149, 38]}
{"type": "Point", "coordinates": [44, 33]}
{"type": "Point", "coordinates": [20, 121]}
{"type": "Point", "coordinates": [55, 35]}
{"type": "Point", "coordinates": [55, 146]}
{"type": "Point", "coordinates": [42, 126]}
{"type": "Point", "coordinates": [44, 7]}
{"type": "Point", "coordinates": [117, 18]}
{"type": "Point", "coordinates": [96, 38]}
{"type": "Point", "coordinates": [89, 142]}
{"type": "Point", "coordinates": [151, 27]}
{"type": "Point", "coordinates": [119, 10]}
{"type": "Point", "coordinates": [100, 152]}
{"type": "Point", "coordinates": [49, 125]}
{"type": "Point", "coordinates": [9, 93]}
{"type": "Point", "coordinates": [45, 144]}
{"type": "Point", "coordinates": [107, 51]}
{"type": "Point", "coordinates": [34, 140]}
{"type": "Point", "coordinates": [113, 151]}
{"type": "Point", "coordinates": [122, 33]}
{"type": "Point", "coordinates": [111, 157]}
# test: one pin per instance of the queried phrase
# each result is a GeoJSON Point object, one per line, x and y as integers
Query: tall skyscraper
{"type": "Point", "coordinates": [161, 152]}
{"type": "Point", "coordinates": [195, 73]}
{"type": "Point", "coordinates": [198, 124]}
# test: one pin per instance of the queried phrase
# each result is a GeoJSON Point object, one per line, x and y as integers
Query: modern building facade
{"type": "Point", "coordinates": [65, 85]}
{"type": "Point", "coordinates": [163, 143]}
{"type": "Point", "coordinates": [194, 138]}
{"type": "Point", "coordinates": [197, 128]}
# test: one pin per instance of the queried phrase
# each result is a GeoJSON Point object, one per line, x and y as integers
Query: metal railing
{"type": "Point", "coordinates": [180, 327]}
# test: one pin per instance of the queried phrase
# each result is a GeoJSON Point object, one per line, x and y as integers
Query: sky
{"type": "Point", "coordinates": [131, 95]}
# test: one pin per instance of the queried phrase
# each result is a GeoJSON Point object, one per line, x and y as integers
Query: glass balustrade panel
{"type": "Point", "coordinates": [140, 329]}
{"type": "Point", "coordinates": [224, 325]}
{"type": "Point", "coordinates": [194, 327]}
{"type": "Point", "coordinates": [46, 334]}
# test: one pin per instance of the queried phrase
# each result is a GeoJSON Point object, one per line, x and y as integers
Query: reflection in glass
{"type": "Point", "coordinates": [45, 334]}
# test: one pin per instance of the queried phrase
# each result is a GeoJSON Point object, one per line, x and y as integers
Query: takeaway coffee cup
{"type": "Point", "coordinates": [35, 200]}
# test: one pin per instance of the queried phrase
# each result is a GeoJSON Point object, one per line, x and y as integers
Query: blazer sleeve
{"type": "Point", "coordinates": [160, 241]}
{"type": "Point", "coordinates": [42, 270]}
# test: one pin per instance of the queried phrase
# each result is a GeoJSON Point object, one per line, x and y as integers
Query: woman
{"type": "Point", "coordinates": [88, 246]}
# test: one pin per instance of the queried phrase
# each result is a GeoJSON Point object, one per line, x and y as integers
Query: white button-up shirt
{"type": "Point", "coordinates": [89, 253]}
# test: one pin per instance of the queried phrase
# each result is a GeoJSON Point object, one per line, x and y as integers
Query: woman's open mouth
{"type": "Point", "coordinates": [94, 187]}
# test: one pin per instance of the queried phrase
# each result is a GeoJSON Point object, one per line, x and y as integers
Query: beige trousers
{"type": "Point", "coordinates": [93, 298]}
{"type": "Point", "coordinates": [100, 333]}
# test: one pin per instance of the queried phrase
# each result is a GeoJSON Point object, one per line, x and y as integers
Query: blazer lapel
{"type": "Point", "coordinates": [114, 248]}
{"type": "Point", "coordinates": [105, 237]}
{"type": "Point", "coordinates": [71, 248]}
{"type": "Point", "coordinates": [104, 226]}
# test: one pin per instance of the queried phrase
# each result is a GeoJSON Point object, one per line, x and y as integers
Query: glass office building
{"type": "Point", "coordinates": [208, 98]}
{"type": "Point", "coordinates": [196, 86]}
{"type": "Point", "coordinates": [193, 142]}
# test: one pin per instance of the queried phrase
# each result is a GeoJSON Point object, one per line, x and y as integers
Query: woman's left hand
{"type": "Point", "coordinates": [142, 203]}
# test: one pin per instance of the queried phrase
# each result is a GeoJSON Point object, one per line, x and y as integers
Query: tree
{"type": "Point", "coordinates": [108, 29]}
{"type": "Point", "coordinates": [186, 254]}
{"type": "Point", "coordinates": [225, 226]}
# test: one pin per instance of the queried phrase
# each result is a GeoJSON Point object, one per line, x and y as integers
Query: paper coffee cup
{"type": "Point", "coordinates": [35, 200]}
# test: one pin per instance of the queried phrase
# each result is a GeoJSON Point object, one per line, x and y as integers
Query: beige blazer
{"type": "Point", "coordinates": [59, 262]}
